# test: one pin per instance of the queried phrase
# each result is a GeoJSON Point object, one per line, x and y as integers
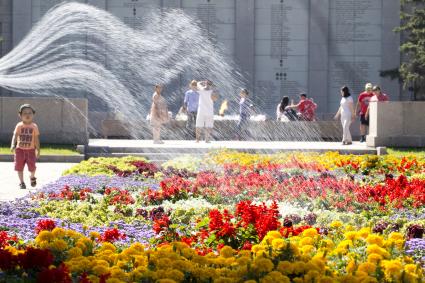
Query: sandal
{"type": "Point", "coordinates": [33, 182]}
{"type": "Point", "coordinates": [22, 186]}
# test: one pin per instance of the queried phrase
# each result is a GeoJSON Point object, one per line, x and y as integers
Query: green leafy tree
{"type": "Point", "coordinates": [412, 28]}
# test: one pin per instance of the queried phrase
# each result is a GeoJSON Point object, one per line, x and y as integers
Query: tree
{"type": "Point", "coordinates": [412, 28]}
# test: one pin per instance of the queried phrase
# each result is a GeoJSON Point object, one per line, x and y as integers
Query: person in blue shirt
{"type": "Point", "coordinates": [190, 106]}
{"type": "Point", "coordinates": [245, 109]}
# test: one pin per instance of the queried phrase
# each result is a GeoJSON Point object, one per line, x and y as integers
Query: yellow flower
{"type": "Point", "coordinates": [108, 246]}
{"type": "Point", "coordinates": [374, 258]}
{"type": "Point", "coordinates": [74, 252]}
{"type": "Point", "coordinates": [175, 274]}
{"type": "Point", "coordinates": [375, 249]}
{"type": "Point", "coordinates": [44, 236]}
{"type": "Point", "coordinates": [351, 235]}
{"type": "Point", "coordinates": [410, 268]}
{"type": "Point", "coordinates": [351, 266]}
{"type": "Point", "coordinates": [59, 245]}
{"type": "Point", "coordinates": [94, 235]}
{"type": "Point", "coordinates": [392, 269]}
{"type": "Point", "coordinates": [306, 241]}
{"type": "Point", "coordinates": [396, 236]}
{"type": "Point", "coordinates": [278, 244]}
{"type": "Point", "coordinates": [311, 232]}
{"type": "Point", "coordinates": [58, 232]}
{"type": "Point", "coordinates": [263, 265]}
{"type": "Point", "coordinates": [274, 277]}
{"type": "Point", "coordinates": [364, 232]}
{"type": "Point", "coordinates": [285, 267]}
{"type": "Point", "coordinates": [336, 224]}
{"type": "Point", "coordinates": [375, 239]}
{"type": "Point", "coordinates": [367, 267]}
{"type": "Point", "coordinates": [226, 252]}
{"type": "Point", "coordinates": [100, 270]}
{"type": "Point", "coordinates": [307, 249]}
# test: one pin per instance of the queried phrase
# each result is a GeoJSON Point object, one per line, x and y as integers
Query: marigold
{"type": "Point", "coordinates": [375, 239]}
{"type": "Point", "coordinates": [227, 251]}
{"type": "Point", "coordinates": [336, 224]}
{"type": "Point", "coordinates": [311, 232]}
{"type": "Point", "coordinates": [375, 249]}
{"type": "Point", "coordinates": [263, 265]}
{"type": "Point", "coordinates": [367, 267]}
{"type": "Point", "coordinates": [306, 241]}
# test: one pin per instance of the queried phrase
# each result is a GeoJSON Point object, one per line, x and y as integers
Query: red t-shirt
{"type": "Point", "coordinates": [307, 108]}
{"type": "Point", "coordinates": [364, 99]}
{"type": "Point", "coordinates": [383, 97]}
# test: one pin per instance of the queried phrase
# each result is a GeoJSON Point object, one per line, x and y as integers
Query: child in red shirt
{"type": "Point", "coordinates": [26, 144]}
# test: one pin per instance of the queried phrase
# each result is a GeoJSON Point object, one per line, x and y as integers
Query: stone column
{"type": "Point", "coordinates": [22, 19]}
{"type": "Point", "coordinates": [390, 45]}
{"type": "Point", "coordinates": [318, 53]}
{"type": "Point", "coordinates": [244, 41]}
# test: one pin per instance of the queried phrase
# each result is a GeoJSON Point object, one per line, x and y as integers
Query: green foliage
{"type": "Point", "coordinates": [412, 70]}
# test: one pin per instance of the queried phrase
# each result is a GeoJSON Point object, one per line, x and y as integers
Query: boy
{"type": "Point", "coordinates": [191, 101]}
{"type": "Point", "coordinates": [26, 144]}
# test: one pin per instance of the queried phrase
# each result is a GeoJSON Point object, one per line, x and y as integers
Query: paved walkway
{"type": "Point", "coordinates": [9, 183]}
{"type": "Point", "coordinates": [259, 146]}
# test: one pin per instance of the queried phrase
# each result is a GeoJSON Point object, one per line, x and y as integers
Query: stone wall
{"type": "Point", "coordinates": [60, 121]}
{"type": "Point", "coordinates": [397, 124]}
{"type": "Point", "coordinates": [283, 46]}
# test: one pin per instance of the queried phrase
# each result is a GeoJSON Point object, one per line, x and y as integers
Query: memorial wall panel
{"type": "Point", "coordinates": [355, 46]}
{"type": "Point", "coordinates": [281, 50]}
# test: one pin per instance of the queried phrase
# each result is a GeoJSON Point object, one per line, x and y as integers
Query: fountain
{"type": "Point", "coordinates": [77, 48]}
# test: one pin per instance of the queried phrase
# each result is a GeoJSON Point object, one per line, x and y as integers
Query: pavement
{"type": "Point", "coordinates": [252, 146]}
{"type": "Point", "coordinates": [9, 182]}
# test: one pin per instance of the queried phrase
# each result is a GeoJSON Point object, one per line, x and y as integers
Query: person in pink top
{"type": "Point", "coordinates": [26, 144]}
{"type": "Point", "coordinates": [361, 109]}
{"type": "Point", "coordinates": [378, 96]}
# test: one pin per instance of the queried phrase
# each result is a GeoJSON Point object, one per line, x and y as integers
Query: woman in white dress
{"type": "Point", "coordinates": [159, 114]}
{"type": "Point", "coordinates": [347, 114]}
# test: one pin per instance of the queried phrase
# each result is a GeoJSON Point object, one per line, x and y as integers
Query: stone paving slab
{"type": "Point", "coordinates": [9, 182]}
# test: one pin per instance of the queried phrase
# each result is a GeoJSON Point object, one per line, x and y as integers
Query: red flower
{"type": "Point", "coordinates": [45, 224]}
{"type": "Point", "coordinates": [58, 274]}
{"type": "Point", "coordinates": [112, 235]}
{"type": "Point", "coordinates": [247, 246]}
{"type": "Point", "coordinates": [161, 224]}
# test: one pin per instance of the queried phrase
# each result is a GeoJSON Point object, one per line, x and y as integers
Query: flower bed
{"type": "Point", "coordinates": [231, 217]}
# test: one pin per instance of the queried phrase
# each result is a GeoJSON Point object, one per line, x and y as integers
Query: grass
{"type": "Point", "coordinates": [47, 149]}
{"type": "Point", "coordinates": [400, 152]}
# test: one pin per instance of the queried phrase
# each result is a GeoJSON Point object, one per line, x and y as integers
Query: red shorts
{"type": "Point", "coordinates": [23, 156]}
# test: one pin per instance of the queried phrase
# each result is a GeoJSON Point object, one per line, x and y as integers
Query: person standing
{"type": "Point", "coordinates": [26, 145]}
{"type": "Point", "coordinates": [159, 114]}
{"type": "Point", "coordinates": [245, 108]}
{"type": "Point", "coordinates": [347, 114]}
{"type": "Point", "coordinates": [378, 96]}
{"type": "Point", "coordinates": [190, 106]}
{"type": "Point", "coordinates": [361, 109]}
{"type": "Point", "coordinates": [205, 117]}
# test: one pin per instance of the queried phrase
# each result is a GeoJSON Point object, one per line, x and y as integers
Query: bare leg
{"type": "Point", "coordinates": [207, 134]}
{"type": "Point", "coordinates": [21, 176]}
{"type": "Point", "coordinates": [198, 134]}
{"type": "Point", "coordinates": [32, 174]}
{"type": "Point", "coordinates": [156, 132]}
{"type": "Point", "coordinates": [363, 129]}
